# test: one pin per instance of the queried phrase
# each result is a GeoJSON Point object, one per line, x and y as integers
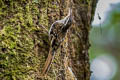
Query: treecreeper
{"type": "Point", "coordinates": [57, 34]}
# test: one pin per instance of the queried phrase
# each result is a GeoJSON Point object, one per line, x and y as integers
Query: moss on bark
{"type": "Point", "coordinates": [24, 43]}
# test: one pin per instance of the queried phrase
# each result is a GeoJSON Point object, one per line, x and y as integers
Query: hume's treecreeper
{"type": "Point", "coordinates": [57, 33]}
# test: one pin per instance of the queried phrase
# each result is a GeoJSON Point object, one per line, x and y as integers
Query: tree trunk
{"type": "Point", "coordinates": [24, 41]}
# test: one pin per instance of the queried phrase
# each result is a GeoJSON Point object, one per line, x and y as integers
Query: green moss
{"type": "Point", "coordinates": [18, 38]}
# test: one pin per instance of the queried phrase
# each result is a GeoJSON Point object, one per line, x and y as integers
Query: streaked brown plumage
{"type": "Point", "coordinates": [56, 35]}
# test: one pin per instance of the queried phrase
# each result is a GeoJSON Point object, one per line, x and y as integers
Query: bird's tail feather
{"type": "Point", "coordinates": [47, 63]}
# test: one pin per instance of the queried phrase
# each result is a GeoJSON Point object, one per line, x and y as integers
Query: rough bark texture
{"type": "Point", "coordinates": [24, 43]}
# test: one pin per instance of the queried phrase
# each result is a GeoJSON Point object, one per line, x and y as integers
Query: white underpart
{"type": "Point", "coordinates": [72, 72]}
{"type": "Point", "coordinates": [51, 28]}
{"type": "Point", "coordinates": [60, 21]}
{"type": "Point", "coordinates": [63, 20]}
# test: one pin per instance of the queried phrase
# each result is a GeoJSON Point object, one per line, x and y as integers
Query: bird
{"type": "Point", "coordinates": [56, 34]}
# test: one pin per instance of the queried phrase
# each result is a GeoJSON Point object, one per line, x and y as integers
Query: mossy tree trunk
{"type": "Point", "coordinates": [24, 43]}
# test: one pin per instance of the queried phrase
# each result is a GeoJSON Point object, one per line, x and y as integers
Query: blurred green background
{"type": "Point", "coordinates": [105, 45]}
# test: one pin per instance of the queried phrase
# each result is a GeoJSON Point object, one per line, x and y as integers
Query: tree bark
{"type": "Point", "coordinates": [24, 42]}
